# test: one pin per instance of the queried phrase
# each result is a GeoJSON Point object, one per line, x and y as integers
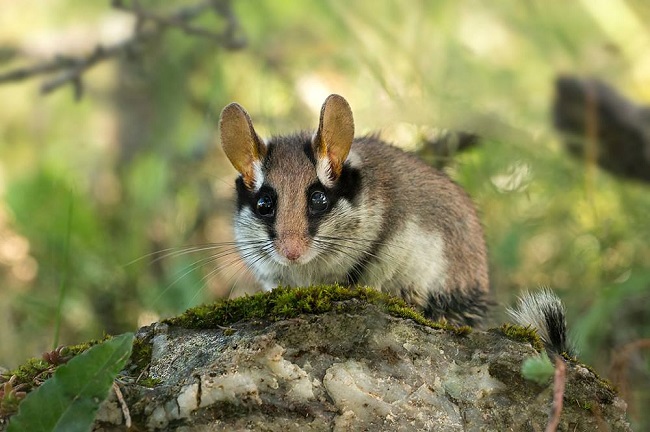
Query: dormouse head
{"type": "Point", "coordinates": [290, 188]}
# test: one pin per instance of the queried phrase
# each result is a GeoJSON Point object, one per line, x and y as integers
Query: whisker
{"type": "Point", "coordinates": [203, 282]}
{"type": "Point", "coordinates": [174, 252]}
{"type": "Point", "coordinates": [258, 253]}
{"type": "Point", "coordinates": [241, 265]}
{"type": "Point", "coordinates": [252, 249]}
{"type": "Point", "coordinates": [232, 249]}
{"type": "Point", "coordinates": [355, 248]}
{"type": "Point", "coordinates": [343, 248]}
{"type": "Point", "coordinates": [186, 271]}
{"type": "Point", "coordinates": [241, 273]}
{"type": "Point", "coordinates": [366, 242]}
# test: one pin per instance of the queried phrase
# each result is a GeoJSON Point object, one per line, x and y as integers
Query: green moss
{"type": "Point", "coordinates": [149, 382]}
{"type": "Point", "coordinates": [25, 373]}
{"type": "Point", "coordinates": [74, 350]}
{"type": "Point", "coordinates": [141, 355]}
{"type": "Point", "coordinates": [588, 405]}
{"type": "Point", "coordinates": [574, 360]}
{"type": "Point", "coordinates": [283, 303]}
{"type": "Point", "coordinates": [228, 331]}
{"type": "Point", "coordinates": [36, 370]}
{"type": "Point", "coordinates": [522, 334]}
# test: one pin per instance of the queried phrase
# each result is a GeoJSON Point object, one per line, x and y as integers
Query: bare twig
{"type": "Point", "coordinates": [71, 69]}
{"type": "Point", "coordinates": [123, 405]}
{"type": "Point", "coordinates": [179, 21]}
{"type": "Point", "coordinates": [39, 69]}
{"type": "Point", "coordinates": [559, 382]}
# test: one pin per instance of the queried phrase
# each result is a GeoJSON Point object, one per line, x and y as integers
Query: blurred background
{"type": "Point", "coordinates": [111, 170]}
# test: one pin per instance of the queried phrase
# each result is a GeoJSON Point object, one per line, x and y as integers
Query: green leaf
{"type": "Point", "coordinates": [69, 400]}
{"type": "Point", "coordinates": [538, 369]}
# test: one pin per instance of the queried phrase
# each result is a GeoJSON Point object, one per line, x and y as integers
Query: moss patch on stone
{"type": "Point", "coordinates": [521, 334]}
{"type": "Point", "coordinates": [283, 303]}
{"type": "Point", "coordinates": [140, 355]}
{"type": "Point", "coordinates": [79, 348]}
{"type": "Point", "coordinates": [36, 370]}
{"type": "Point", "coordinates": [150, 382]}
{"type": "Point", "coordinates": [27, 372]}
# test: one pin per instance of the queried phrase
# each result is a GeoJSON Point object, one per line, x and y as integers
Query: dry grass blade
{"type": "Point", "coordinates": [123, 405]}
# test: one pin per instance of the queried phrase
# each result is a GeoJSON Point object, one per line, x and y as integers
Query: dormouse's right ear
{"type": "Point", "coordinates": [333, 138]}
{"type": "Point", "coordinates": [242, 145]}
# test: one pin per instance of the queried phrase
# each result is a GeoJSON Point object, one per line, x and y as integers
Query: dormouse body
{"type": "Point", "coordinates": [325, 207]}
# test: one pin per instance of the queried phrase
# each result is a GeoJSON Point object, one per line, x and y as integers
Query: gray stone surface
{"type": "Point", "coordinates": [355, 369]}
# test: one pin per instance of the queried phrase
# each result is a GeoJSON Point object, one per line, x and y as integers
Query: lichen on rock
{"type": "Point", "coordinates": [348, 363]}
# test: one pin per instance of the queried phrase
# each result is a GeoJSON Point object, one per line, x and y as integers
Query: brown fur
{"type": "Point", "coordinates": [291, 176]}
{"type": "Point", "coordinates": [412, 187]}
{"type": "Point", "coordinates": [404, 227]}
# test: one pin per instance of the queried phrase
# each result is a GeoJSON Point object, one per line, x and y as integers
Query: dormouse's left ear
{"type": "Point", "coordinates": [241, 143]}
{"type": "Point", "coordinates": [333, 139]}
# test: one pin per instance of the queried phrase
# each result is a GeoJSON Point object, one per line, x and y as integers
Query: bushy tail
{"type": "Point", "coordinates": [544, 311]}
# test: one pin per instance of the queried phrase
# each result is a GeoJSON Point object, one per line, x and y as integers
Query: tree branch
{"type": "Point", "coordinates": [148, 26]}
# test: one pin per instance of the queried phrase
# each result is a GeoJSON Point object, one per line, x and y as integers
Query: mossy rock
{"type": "Point", "coordinates": [330, 357]}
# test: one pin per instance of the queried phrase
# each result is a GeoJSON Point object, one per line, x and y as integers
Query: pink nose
{"type": "Point", "coordinates": [292, 247]}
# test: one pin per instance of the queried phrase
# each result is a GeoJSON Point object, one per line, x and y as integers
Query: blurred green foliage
{"type": "Point", "coordinates": [138, 159]}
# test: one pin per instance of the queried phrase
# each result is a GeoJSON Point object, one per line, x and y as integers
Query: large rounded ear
{"type": "Point", "coordinates": [333, 139]}
{"type": "Point", "coordinates": [242, 145]}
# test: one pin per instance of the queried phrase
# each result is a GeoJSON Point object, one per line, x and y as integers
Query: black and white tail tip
{"type": "Point", "coordinates": [544, 311]}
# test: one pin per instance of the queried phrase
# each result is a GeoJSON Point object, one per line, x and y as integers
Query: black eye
{"type": "Point", "coordinates": [318, 202]}
{"type": "Point", "coordinates": [265, 206]}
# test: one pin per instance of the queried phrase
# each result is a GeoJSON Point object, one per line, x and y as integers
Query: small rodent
{"type": "Point", "coordinates": [326, 207]}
